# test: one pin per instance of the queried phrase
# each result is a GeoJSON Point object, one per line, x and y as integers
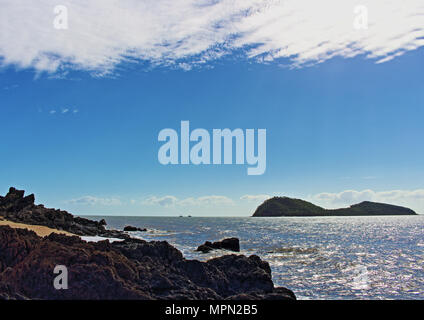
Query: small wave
{"type": "Point", "coordinates": [97, 239]}
{"type": "Point", "coordinates": [294, 250]}
{"type": "Point", "coordinates": [158, 233]}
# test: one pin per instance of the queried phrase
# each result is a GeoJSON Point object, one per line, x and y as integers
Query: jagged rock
{"type": "Point", "coordinates": [205, 248]}
{"type": "Point", "coordinates": [15, 200]}
{"type": "Point", "coordinates": [232, 244]}
{"type": "Point", "coordinates": [131, 269]}
{"type": "Point", "coordinates": [132, 229]}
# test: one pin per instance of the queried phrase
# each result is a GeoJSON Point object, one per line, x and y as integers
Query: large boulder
{"type": "Point", "coordinates": [231, 244]}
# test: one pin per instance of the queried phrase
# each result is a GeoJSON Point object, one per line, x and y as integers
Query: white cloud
{"type": "Point", "coordinates": [95, 201]}
{"type": "Point", "coordinates": [103, 33]}
{"type": "Point", "coordinates": [207, 201]}
{"type": "Point", "coordinates": [411, 198]}
{"type": "Point", "coordinates": [169, 201]}
{"type": "Point", "coordinates": [62, 111]}
{"type": "Point", "coordinates": [166, 201]}
{"type": "Point", "coordinates": [256, 198]}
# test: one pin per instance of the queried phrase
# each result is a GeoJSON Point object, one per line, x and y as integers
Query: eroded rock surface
{"type": "Point", "coordinates": [131, 269]}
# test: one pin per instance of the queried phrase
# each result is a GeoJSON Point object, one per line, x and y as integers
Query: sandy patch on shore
{"type": "Point", "coordinates": [42, 231]}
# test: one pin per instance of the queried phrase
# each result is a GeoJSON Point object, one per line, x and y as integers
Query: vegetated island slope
{"type": "Point", "coordinates": [289, 207]}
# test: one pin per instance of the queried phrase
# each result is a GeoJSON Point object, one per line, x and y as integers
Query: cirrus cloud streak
{"type": "Point", "coordinates": [184, 33]}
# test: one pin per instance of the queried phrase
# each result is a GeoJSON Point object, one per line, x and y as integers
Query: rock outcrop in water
{"type": "Point", "coordinates": [288, 207]}
{"type": "Point", "coordinates": [134, 229]}
{"type": "Point", "coordinates": [131, 269]}
{"type": "Point", "coordinates": [17, 207]}
{"type": "Point", "coordinates": [232, 244]}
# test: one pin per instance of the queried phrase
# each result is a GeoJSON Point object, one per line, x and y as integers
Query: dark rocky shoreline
{"type": "Point", "coordinates": [128, 269]}
{"type": "Point", "coordinates": [17, 207]}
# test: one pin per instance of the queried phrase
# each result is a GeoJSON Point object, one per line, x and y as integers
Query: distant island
{"type": "Point", "coordinates": [289, 207]}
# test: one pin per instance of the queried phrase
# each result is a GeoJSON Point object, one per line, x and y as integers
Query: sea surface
{"type": "Point", "coordinates": [317, 258]}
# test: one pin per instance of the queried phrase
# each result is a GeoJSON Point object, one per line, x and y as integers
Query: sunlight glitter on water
{"type": "Point", "coordinates": [318, 258]}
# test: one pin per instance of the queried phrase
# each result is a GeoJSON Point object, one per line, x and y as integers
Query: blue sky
{"type": "Point", "coordinates": [83, 137]}
{"type": "Point", "coordinates": [341, 125]}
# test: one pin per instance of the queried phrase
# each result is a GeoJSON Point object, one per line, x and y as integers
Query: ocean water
{"type": "Point", "coordinates": [317, 258]}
